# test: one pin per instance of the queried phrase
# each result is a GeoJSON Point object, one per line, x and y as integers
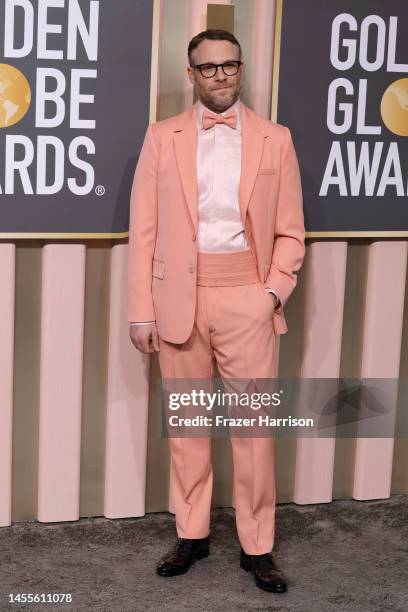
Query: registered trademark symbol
{"type": "Point", "coordinates": [99, 190]}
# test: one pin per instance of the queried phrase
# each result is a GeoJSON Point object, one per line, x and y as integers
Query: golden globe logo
{"type": "Point", "coordinates": [377, 167]}
{"type": "Point", "coordinates": [394, 107]}
{"type": "Point", "coordinates": [58, 94]}
{"type": "Point", "coordinates": [15, 95]}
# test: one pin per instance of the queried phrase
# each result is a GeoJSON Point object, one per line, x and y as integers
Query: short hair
{"type": "Point", "coordinates": [211, 35]}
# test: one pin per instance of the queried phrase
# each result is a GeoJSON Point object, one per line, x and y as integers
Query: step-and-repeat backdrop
{"type": "Point", "coordinates": [74, 107]}
{"type": "Point", "coordinates": [343, 91]}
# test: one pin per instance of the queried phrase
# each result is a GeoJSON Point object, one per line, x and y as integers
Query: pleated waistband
{"type": "Point", "coordinates": [226, 268]}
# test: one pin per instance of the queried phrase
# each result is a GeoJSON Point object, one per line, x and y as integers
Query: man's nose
{"type": "Point", "coordinates": [219, 75]}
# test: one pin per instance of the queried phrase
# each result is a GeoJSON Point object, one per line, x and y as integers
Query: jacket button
{"type": "Point", "coordinates": [191, 268]}
{"type": "Point", "coordinates": [194, 237]}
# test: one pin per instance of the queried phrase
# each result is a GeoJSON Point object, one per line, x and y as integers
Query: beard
{"type": "Point", "coordinates": [219, 101]}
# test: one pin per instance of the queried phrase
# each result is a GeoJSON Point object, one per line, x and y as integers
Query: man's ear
{"type": "Point", "coordinates": [190, 73]}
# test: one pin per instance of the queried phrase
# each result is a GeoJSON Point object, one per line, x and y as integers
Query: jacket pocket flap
{"type": "Point", "coordinates": [158, 268]}
{"type": "Point", "coordinates": [267, 170]}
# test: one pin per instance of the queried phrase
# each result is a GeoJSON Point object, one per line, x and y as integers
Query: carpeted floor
{"type": "Point", "coordinates": [342, 556]}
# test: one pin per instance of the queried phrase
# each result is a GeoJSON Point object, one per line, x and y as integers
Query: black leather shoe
{"type": "Point", "coordinates": [267, 574]}
{"type": "Point", "coordinates": [180, 558]}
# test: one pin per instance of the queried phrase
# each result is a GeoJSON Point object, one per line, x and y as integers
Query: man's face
{"type": "Point", "coordinates": [220, 91]}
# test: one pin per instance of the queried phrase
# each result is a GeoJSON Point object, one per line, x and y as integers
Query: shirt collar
{"type": "Point", "coordinates": [201, 108]}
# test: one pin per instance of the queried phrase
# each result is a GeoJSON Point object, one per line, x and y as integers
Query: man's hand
{"type": "Point", "coordinates": [145, 337]}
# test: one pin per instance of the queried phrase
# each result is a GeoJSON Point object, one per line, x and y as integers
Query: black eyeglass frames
{"type": "Point", "coordinates": [209, 70]}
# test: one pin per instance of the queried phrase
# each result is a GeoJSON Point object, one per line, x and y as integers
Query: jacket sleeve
{"type": "Point", "coordinates": [289, 240]}
{"type": "Point", "coordinates": [142, 231]}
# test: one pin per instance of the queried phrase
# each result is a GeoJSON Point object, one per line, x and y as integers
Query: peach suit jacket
{"type": "Point", "coordinates": [162, 256]}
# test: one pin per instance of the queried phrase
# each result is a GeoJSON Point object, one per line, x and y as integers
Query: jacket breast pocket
{"type": "Point", "coordinates": [267, 170]}
{"type": "Point", "coordinates": [158, 268]}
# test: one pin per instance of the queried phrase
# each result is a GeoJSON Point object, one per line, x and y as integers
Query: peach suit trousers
{"type": "Point", "coordinates": [233, 325]}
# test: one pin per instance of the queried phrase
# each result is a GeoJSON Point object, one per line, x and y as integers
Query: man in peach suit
{"type": "Point", "coordinates": [216, 238]}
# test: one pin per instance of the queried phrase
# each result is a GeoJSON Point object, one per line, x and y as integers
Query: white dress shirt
{"type": "Point", "coordinates": [220, 227]}
{"type": "Point", "coordinates": [218, 177]}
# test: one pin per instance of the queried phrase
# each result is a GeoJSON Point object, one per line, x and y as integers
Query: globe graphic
{"type": "Point", "coordinates": [394, 107]}
{"type": "Point", "coordinates": [15, 95]}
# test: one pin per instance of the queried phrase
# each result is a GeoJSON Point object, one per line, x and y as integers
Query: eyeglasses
{"type": "Point", "coordinates": [210, 70]}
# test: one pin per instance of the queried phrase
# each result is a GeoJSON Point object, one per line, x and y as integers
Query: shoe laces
{"type": "Point", "coordinates": [183, 545]}
{"type": "Point", "coordinates": [265, 561]}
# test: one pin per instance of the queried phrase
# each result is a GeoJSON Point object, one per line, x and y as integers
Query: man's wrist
{"type": "Point", "coordinates": [278, 303]}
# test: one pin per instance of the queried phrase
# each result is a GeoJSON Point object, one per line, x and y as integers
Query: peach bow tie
{"type": "Point", "coordinates": [209, 119]}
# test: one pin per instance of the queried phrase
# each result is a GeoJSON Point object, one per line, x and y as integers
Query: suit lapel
{"type": "Point", "coordinates": [185, 146]}
{"type": "Point", "coordinates": [251, 154]}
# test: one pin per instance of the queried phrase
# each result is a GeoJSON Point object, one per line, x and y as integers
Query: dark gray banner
{"type": "Point", "coordinates": [283, 407]}
{"type": "Point", "coordinates": [343, 91]}
{"type": "Point", "coordinates": [74, 107]}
